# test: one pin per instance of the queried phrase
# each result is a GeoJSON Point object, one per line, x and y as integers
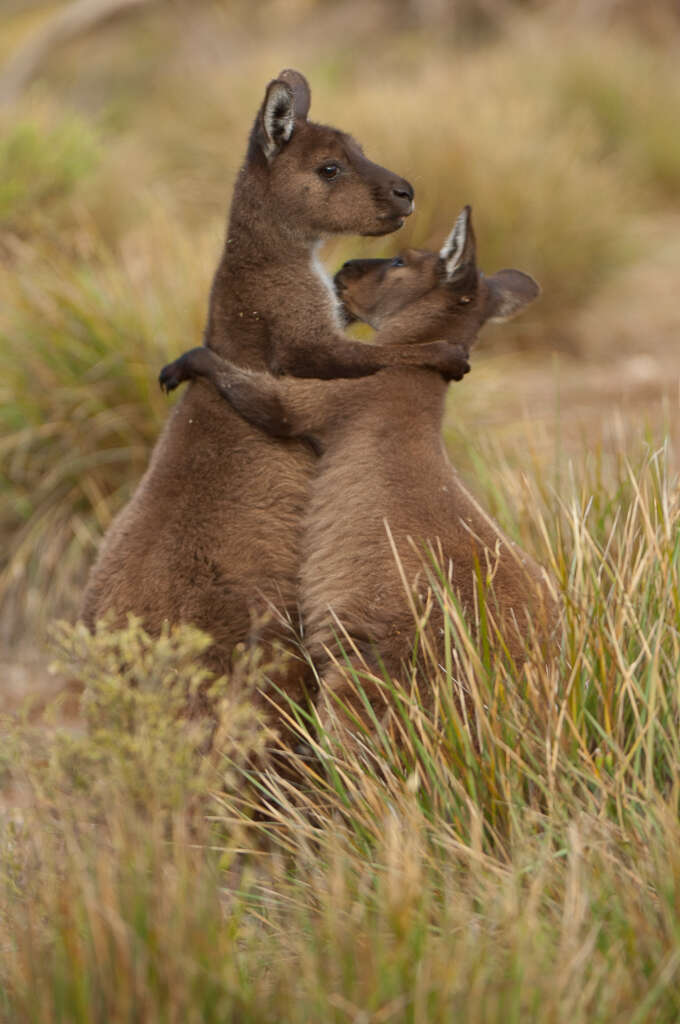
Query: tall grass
{"type": "Point", "coordinates": [517, 863]}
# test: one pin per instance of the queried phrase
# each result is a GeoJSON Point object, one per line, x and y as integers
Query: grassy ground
{"type": "Point", "coordinates": [517, 864]}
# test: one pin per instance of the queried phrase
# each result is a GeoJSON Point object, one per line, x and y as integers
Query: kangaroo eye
{"type": "Point", "coordinates": [328, 171]}
{"type": "Point", "coordinates": [397, 262]}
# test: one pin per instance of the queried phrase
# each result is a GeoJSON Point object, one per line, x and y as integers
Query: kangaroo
{"type": "Point", "coordinates": [383, 479]}
{"type": "Point", "coordinates": [211, 535]}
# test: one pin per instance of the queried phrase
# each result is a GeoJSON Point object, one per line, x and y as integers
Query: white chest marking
{"type": "Point", "coordinates": [320, 271]}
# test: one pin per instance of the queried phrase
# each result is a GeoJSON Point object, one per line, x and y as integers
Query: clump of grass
{"type": "Point", "coordinates": [522, 862]}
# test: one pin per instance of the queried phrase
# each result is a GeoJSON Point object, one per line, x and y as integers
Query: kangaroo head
{"type": "Point", "coordinates": [421, 295]}
{"type": "Point", "coordinates": [317, 180]}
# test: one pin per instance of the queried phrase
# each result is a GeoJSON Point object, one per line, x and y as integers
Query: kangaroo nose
{"type": "Point", "coordinates": [348, 272]}
{"type": "Point", "coordinates": [354, 269]}
{"type": "Point", "coordinates": [403, 190]}
{"type": "Point", "coordinates": [351, 268]}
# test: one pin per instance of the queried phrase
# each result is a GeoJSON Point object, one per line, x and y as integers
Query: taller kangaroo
{"type": "Point", "coordinates": [211, 536]}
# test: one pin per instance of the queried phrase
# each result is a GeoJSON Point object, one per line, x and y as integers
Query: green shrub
{"type": "Point", "coordinates": [159, 730]}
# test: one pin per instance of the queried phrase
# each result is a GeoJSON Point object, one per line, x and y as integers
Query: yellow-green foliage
{"type": "Point", "coordinates": [517, 862]}
{"type": "Point", "coordinates": [148, 740]}
{"type": "Point", "coordinates": [41, 165]}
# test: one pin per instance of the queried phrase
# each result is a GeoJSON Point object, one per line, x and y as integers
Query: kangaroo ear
{"type": "Point", "coordinates": [277, 118]}
{"type": "Point", "coordinates": [299, 86]}
{"type": "Point", "coordinates": [459, 249]}
{"type": "Point", "coordinates": [509, 292]}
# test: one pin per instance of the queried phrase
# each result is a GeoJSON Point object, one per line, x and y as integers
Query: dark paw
{"type": "Point", "coordinates": [171, 376]}
{"type": "Point", "coordinates": [456, 370]}
{"type": "Point", "coordinates": [456, 364]}
{"type": "Point", "coordinates": [461, 370]}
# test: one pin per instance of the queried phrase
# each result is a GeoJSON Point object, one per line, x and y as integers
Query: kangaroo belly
{"type": "Point", "coordinates": [379, 532]}
{"type": "Point", "coordinates": [349, 579]}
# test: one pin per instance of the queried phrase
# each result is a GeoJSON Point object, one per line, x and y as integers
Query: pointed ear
{"type": "Point", "coordinates": [277, 118]}
{"type": "Point", "coordinates": [459, 249]}
{"type": "Point", "coordinates": [299, 86]}
{"type": "Point", "coordinates": [509, 292]}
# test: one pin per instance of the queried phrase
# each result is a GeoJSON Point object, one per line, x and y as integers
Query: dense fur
{"type": "Point", "coordinates": [212, 534]}
{"type": "Point", "coordinates": [384, 477]}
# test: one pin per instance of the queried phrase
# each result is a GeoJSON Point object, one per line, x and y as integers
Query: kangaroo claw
{"type": "Point", "coordinates": [169, 379]}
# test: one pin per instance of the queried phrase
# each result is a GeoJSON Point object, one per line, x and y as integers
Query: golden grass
{"type": "Point", "coordinates": [520, 859]}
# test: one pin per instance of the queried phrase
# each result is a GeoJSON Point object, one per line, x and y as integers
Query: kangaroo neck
{"type": "Point", "coordinates": [263, 265]}
{"type": "Point", "coordinates": [256, 232]}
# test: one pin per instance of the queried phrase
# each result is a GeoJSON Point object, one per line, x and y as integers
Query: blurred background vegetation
{"type": "Point", "coordinates": [123, 124]}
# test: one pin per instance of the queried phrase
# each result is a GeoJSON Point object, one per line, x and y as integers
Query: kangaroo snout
{"type": "Point", "coordinates": [355, 285]}
{"type": "Point", "coordinates": [353, 270]}
{"type": "Point", "coordinates": [403, 195]}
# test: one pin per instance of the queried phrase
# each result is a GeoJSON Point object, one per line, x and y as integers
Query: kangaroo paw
{"type": "Point", "coordinates": [172, 375]}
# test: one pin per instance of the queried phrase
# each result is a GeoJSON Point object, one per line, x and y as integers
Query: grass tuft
{"type": "Point", "coordinates": [512, 854]}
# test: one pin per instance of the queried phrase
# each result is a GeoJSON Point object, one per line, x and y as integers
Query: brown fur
{"type": "Point", "coordinates": [383, 462]}
{"type": "Point", "coordinates": [211, 535]}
